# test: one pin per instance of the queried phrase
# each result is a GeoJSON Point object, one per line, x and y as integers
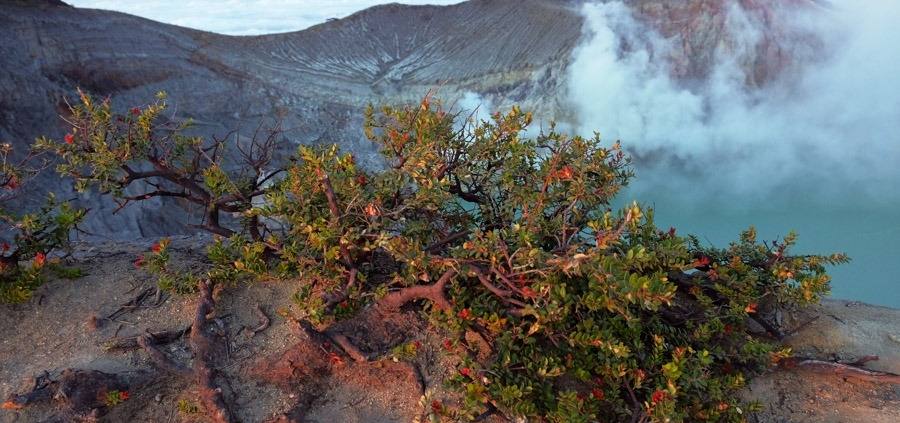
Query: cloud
{"type": "Point", "coordinates": [242, 17]}
{"type": "Point", "coordinates": [828, 133]}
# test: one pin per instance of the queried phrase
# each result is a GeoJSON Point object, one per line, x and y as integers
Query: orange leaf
{"type": "Point", "coordinates": [11, 405]}
{"type": "Point", "coordinates": [372, 210]}
{"type": "Point", "coordinates": [564, 174]}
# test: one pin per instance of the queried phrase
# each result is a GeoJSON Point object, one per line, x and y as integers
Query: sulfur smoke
{"type": "Point", "coordinates": [827, 129]}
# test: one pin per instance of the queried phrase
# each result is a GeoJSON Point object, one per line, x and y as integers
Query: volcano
{"type": "Point", "coordinates": [317, 80]}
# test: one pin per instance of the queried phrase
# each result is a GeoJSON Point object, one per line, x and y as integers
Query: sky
{"type": "Point", "coordinates": [243, 17]}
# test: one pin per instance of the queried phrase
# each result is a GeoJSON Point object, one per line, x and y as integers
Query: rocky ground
{"type": "Point", "coordinates": [269, 371]}
{"type": "Point", "coordinates": [837, 330]}
{"type": "Point", "coordinates": [266, 373]}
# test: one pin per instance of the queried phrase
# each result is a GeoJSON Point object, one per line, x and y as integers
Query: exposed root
{"type": "Point", "coordinates": [264, 322]}
{"type": "Point", "coordinates": [849, 370]}
{"type": "Point", "coordinates": [134, 303]}
{"type": "Point", "coordinates": [81, 393]}
{"type": "Point", "coordinates": [155, 338]}
{"type": "Point", "coordinates": [434, 293]}
{"type": "Point", "coordinates": [355, 353]}
{"type": "Point", "coordinates": [491, 411]}
{"type": "Point", "coordinates": [336, 298]}
{"type": "Point", "coordinates": [202, 345]}
{"type": "Point", "coordinates": [312, 333]}
{"type": "Point", "coordinates": [770, 328]}
{"type": "Point", "coordinates": [322, 338]}
{"type": "Point", "coordinates": [41, 390]}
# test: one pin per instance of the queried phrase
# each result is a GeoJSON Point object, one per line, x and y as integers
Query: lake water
{"type": "Point", "coordinates": [871, 237]}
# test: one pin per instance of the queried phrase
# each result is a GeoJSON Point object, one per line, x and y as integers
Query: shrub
{"type": "Point", "coordinates": [145, 150]}
{"type": "Point", "coordinates": [116, 397]}
{"type": "Point", "coordinates": [33, 236]}
{"type": "Point", "coordinates": [587, 313]}
{"type": "Point", "coordinates": [157, 262]}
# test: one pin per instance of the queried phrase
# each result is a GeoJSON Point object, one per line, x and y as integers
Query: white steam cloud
{"type": "Point", "coordinates": [471, 103]}
{"type": "Point", "coordinates": [825, 130]}
{"type": "Point", "coordinates": [243, 17]}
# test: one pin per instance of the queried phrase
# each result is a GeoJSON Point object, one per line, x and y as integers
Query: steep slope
{"type": "Point", "coordinates": [316, 80]}
{"type": "Point", "coordinates": [392, 47]}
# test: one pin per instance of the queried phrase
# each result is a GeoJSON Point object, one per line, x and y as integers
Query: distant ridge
{"type": "Point", "coordinates": [35, 3]}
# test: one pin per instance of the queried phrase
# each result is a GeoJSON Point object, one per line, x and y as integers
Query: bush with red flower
{"type": "Point", "coordinates": [116, 397]}
{"type": "Point", "coordinates": [587, 313]}
{"type": "Point", "coordinates": [27, 239]}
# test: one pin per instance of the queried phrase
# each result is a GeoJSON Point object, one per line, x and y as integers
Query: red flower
{"type": "Point", "coordinates": [135, 111]}
{"type": "Point", "coordinates": [728, 329]}
{"type": "Point", "coordinates": [751, 308]}
{"type": "Point", "coordinates": [69, 138]}
{"type": "Point", "coordinates": [598, 394]}
{"type": "Point", "coordinates": [659, 396]}
{"type": "Point", "coordinates": [39, 259]}
{"type": "Point", "coordinates": [123, 395]}
{"type": "Point", "coordinates": [436, 406]}
{"type": "Point", "coordinates": [361, 180]}
{"type": "Point", "coordinates": [417, 344]}
{"type": "Point", "coordinates": [465, 371]}
{"type": "Point", "coordinates": [671, 231]}
{"type": "Point", "coordinates": [156, 248]}
{"type": "Point", "coordinates": [464, 314]}
{"type": "Point", "coordinates": [448, 345]}
{"type": "Point", "coordinates": [703, 261]}
{"type": "Point", "coordinates": [139, 262]}
{"type": "Point", "coordinates": [528, 292]}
